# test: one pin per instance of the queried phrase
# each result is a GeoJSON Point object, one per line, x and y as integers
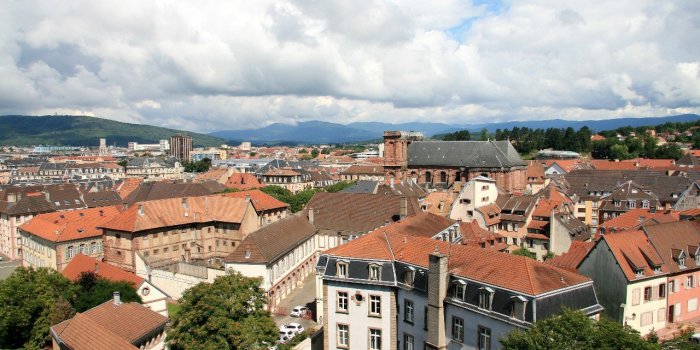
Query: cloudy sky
{"type": "Point", "coordinates": [215, 65]}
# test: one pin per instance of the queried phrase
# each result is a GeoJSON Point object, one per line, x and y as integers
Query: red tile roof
{"type": "Point", "coordinates": [178, 211]}
{"type": "Point", "coordinates": [504, 270]}
{"type": "Point", "coordinates": [82, 263]}
{"type": "Point", "coordinates": [82, 333]}
{"type": "Point", "coordinates": [243, 181]}
{"type": "Point", "coordinates": [601, 164]}
{"type": "Point", "coordinates": [261, 200]}
{"type": "Point", "coordinates": [633, 250]}
{"type": "Point", "coordinates": [676, 236]}
{"type": "Point", "coordinates": [475, 235]}
{"type": "Point", "coordinates": [566, 164]}
{"type": "Point", "coordinates": [490, 209]}
{"type": "Point", "coordinates": [70, 225]}
{"type": "Point", "coordinates": [128, 185]}
{"type": "Point", "coordinates": [438, 202]}
{"type": "Point", "coordinates": [633, 218]}
{"type": "Point", "coordinates": [572, 258]}
{"type": "Point", "coordinates": [129, 321]}
{"type": "Point", "coordinates": [214, 174]}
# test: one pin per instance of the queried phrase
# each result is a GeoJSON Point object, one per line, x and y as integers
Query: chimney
{"type": "Point", "coordinates": [311, 216]}
{"type": "Point", "coordinates": [403, 207]}
{"type": "Point", "coordinates": [437, 291]}
{"type": "Point", "coordinates": [117, 298]}
{"type": "Point", "coordinates": [185, 206]}
{"type": "Point", "coordinates": [140, 209]}
{"type": "Point", "coordinates": [47, 196]}
{"type": "Point", "coordinates": [391, 183]}
{"type": "Point", "coordinates": [125, 206]}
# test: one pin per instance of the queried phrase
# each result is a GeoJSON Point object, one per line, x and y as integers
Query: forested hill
{"type": "Point", "coordinates": [20, 130]}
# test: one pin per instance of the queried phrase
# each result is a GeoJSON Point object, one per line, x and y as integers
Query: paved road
{"type": "Point", "coordinates": [304, 296]}
{"type": "Point", "coordinates": [7, 267]}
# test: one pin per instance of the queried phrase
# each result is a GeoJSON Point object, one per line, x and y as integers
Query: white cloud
{"type": "Point", "coordinates": [212, 65]}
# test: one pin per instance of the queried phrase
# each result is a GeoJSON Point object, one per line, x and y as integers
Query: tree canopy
{"type": "Point", "coordinates": [226, 314]}
{"type": "Point", "coordinates": [572, 330]}
{"type": "Point", "coordinates": [93, 291]}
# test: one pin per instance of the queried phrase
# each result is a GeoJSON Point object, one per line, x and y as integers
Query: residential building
{"type": "Point", "coordinates": [441, 163]}
{"type": "Point", "coordinates": [20, 204]}
{"type": "Point", "coordinates": [112, 325]}
{"type": "Point", "coordinates": [210, 153]}
{"type": "Point", "coordinates": [476, 193]}
{"type": "Point", "coordinates": [282, 254]}
{"type": "Point", "coordinates": [515, 216]}
{"type": "Point", "coordinates": [386, 290]}
{"type": "Point", "coordinates": [154, 169]}
{"type": "Point", "coordinates": [292, 180]}
{"type": "Point", "coordinates": [165, 231]}
{"type": "Point", "coordinates": [53, 239]}
{"type": "Point", "coordinates": [630, 278]}
{"type": "Point", "coordinates": [243, 181]}
{"type": "Point", "coordinates": [363, 172]}
{"type": "Point", "coordinates": [635, 218]}
{"type": "Point", "coordinates": [536, 179]}
{"type": "Point", "coordinates": [690, 198]}
{"type": "Point", "coordinates": [625, 197]}
{"type": "Point", "coordinates": [180, 146]}
{"type": "Point", "coordinates": [151, 297]}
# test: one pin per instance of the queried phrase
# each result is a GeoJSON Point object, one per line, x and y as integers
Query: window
{"type": "Point", "coordinates": [690, 281]}
{"type": "Point", "coordinates": [647, 318]}
{"type": "Point", "coordinates": [518, 307]}
{"type": "Point", "coordinates": [408, 310]}
{"type": "Point", "coordinates": [408, 277]}
{"type": "Point", "coordinates": [484, 341]}
{"type": "Point", "coordinates": [692, 304]}
{"type": "Point", "coordinates": [408, 342]}
{"type": "Point", "coordinates": [375, 305]}
{"type": "Point", "coordinates": [374, 272]}
{"type": "Point", "coordinates": [155, 251]}
{"type": "Point", "coordinates": [672, 286]}
{"type": "Point", "coordinates": [375, 339]}
{"type": "Point", "coordinates": [645, 204]}
{"type": "Point", "coordinates": [165, 250]}
{"type": "Point", "coordinates": [342, 302]}
{"type": "Point", "coordinates": [457, 329]}
{"type": "Point", "coordinates": [662, 290]}
{"type": "Point", "coordinates": [618, 203]}
{"type": "Point", "coordinates": [70, 252]}
{"type": "Point", "coordinates": [681, 261]}
{"type": "Point", "coordinates": [647, 294]}
{"type": "Point", "coordinates": [343, 335]}
{"type": "Point", "coordinates": [93, 247]}
{"type": "Point", "coordinates": [631, 204]}
{"type": "Point", "coordinates": [342, 270]}
{"type": "Point", "coordinates": [485, 298]}
{"type": "Point", "coordinates": [459, 290]}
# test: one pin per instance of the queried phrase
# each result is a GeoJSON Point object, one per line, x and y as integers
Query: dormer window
{"type": "Point", "coordinates": [518, 305]}
{"type": "Point", "coordinates": [645, 204]}
{"type": "Point", "coordinates": [485, 297]}
{"type": "Point", "coordinates": [631, 204]}
{"type": "Point", "coordinates": [374, 272]}
{"type": "Point", "coordinates": [657, 269]}
{"type": "Point", "coordinates": [459, 291]}
{"type": "Point", "coordinates": [618, 203]}
{"type": "Point", "coordinates": [681, 261]}
{"type": "Point", "coordinates": [639, 272]}
{"type": "Point", "coordinates": [342, 269]}
{"type": "Point", "coordinates": [408, 276]}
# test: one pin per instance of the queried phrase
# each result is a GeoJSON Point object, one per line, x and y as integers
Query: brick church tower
{"type": "Point", "coordinates": [396, 153]}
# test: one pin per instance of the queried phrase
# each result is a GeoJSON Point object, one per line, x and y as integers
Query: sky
{"type": "Point", "coordinates": [221, 65]}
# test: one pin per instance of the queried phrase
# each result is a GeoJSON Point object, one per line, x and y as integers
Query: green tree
{"type": "Point", "coordinates": [276, 191]}
{"type": "Point", "coordinates": [94, 290]}
{"type": "Point", "coordinates": [326, 151]}
{"type": "Point", "coordinates": [669, 150]}
{"type": "Point", "coordinates": [339, 186]}
{"type": "Point", "coordinates": [524, 252]}
{"type": "Point", "coordinates": [226, 314]}
{"type": "Point", "coordinates": [462, 135]}
{"type": "Point", "coordinates": [619, 152]}
{"type": "Point", "coordinates": [314, 153]}
{"type": "Point", "coordinates": [572, 330]}
{"type": "Point", "coordinates": [484, 134]}
{"type": "Point", "coordinates": [31, 302]}
{"type": "Point", "coordinates": [123, 163]}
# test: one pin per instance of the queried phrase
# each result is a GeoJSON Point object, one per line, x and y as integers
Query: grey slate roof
{"type": "Point", "coordinates": [473, 154]}
{"type": "Point", "coordinates": [362, 186]}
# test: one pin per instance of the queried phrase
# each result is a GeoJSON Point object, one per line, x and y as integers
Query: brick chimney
{"type": "Point", "coordinates": [437, 291]}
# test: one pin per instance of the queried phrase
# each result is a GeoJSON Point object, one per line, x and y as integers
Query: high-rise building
{"type": "Point", "coordinates": [180, 146]}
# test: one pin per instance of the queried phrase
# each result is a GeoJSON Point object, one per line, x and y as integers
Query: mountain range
{"type": "Point", "coordinates": [22, 130]}
{"type": "Point", "coordinates": [19, 130]}
{"type": "Point", "coordinates": [315, 132]}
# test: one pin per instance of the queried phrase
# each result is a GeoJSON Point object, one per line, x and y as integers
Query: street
{"type": "Point", "coordinates": [302, 296]}
{"type": "Point", "coordinates": [7, 267]}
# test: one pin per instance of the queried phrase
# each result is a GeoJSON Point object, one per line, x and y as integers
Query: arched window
{"type": "Point", "coordinates": [93, 247]}
{"type": "Point", "coordinates": [69, 252]}
{"type": "Point", "coordinates": [428, 177]}
{"type": "Point", "coordinates": [443, 176]}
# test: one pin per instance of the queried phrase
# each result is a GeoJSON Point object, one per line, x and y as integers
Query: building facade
{"type": "Point", "coordinates": [180, 146]}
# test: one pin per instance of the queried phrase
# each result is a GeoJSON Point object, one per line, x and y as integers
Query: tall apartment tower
{"type": "Point", "coordinates": [180, 146]}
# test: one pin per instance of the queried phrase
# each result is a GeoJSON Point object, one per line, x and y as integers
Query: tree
{"type": "Point", "coordinates": [572, 329]}
{"type": "Point", "coordinates": [123, 163]}
{"type": "Point", "coordinates": [32, 301]}
{"type": "Point", "coordinates": [669, 150]}
{"type": "Point", "coordinates": [462, 135]}
{"type": "Point", "coordinates": [314, 153]}
{"type": "Point", "coordinates": [339, 186]}
{"type": "Point", "coordinates": [619, 152]}
{"type": "Point", "coordinates": [484, 134]}
{"type": "Point", "coordinates": [524, 252]}
{"type": "Point", "coordinates": [94, 290]}
{"type": "Point", "coordinates": [226, 314]}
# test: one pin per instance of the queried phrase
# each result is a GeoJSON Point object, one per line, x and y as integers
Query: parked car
{"type": "Point", "coordinates": [299, 311]}
{"type": "Point", "coordinates": [695, 338]}
{"type": "Point", "coordinates": [295, 328]}
{"type": "Point", "coordinates": [285, 336]}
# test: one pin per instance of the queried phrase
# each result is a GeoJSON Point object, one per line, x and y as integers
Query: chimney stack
{"type": "Point", "coordinates": [437, 291]}
{"type": "Point", "coordinates": [125, 206]}
{"type": "Point", "coordinates": [311, 216]}
{"type": "Point", "coordinates": [140, 209]}
{"type": "Point", "coordinates": [403, 207]}
{"type": "Point", "coordinates": [117, 298]}
{"type": "Point", "coordinates": [46, 195]}
{"type": "Point", "coordinates": [185, 206]}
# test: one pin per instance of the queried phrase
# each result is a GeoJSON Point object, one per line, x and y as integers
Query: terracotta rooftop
{"type": "Point", "coordinates": [438, 202]}
{"type": "Point", "coordinates": [535, 170]}
{"type": "Point", "coordinates": [602, 164]}
{"type": "Point", "coordinates": [633, 251]}
{"type": "Point", "coordinates": [261, 200]}
{"type": "Point", "coordinates": [475, 235]}
{"type": "Point", "coordinates": [676, 236]}
{"type": "Point", "coordinates": [567, 165]}
{"type": "Point", "coordinates": [82, 333]}
{"type": "Point", "coordinates": [633, 218]}
{"type": "Point", "coordinates": [178, 211]}
{"type": "Point", "coordinates": [129, 321]}
{"type": "Point", "coordinates": [504, 270]}
{"type": "Point", "coordinates": [83, 263]}
{"type": "Point", "coordinates": [573, 257]}
{"type": "Point", "coordinates": [70, 225]}
{"type": "Point", "coordinates": [149, 191]}
{"type": "Point", "coordinates": [376, 170]}
{"type": "Point", "coordinates": [491, 214]}
{"type": "Point", "coordinates": [213, 174]}
{"type": "Point", "coordinates": [127, 185]}
{"type": "Point", "coordinates": [281, 172]}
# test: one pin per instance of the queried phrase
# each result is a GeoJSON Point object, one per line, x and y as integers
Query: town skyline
{"type": "Point", "coordinates": [202, 68]}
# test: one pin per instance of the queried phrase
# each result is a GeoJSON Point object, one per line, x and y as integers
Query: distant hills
{"type": "Point", "coordinates": [316, 132]}
{"type": "Point", "coordinates": [20, 130]}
